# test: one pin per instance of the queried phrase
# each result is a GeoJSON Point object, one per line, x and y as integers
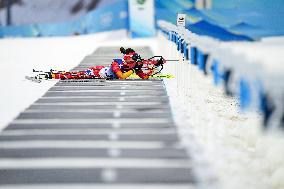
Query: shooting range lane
{"type": "Point", "coordinates": [97, 134]}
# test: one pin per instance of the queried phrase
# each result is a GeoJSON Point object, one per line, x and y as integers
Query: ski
{"type": "Point", "coordinates": [33, 79]}
{"type": "Point", "coordinates": [160, 75]}
{"type": "Point", "coordinates": [142, 68]}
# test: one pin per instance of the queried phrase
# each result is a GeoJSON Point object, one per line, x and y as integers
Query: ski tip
{"type": "Point", "coordinates": [32, 79]}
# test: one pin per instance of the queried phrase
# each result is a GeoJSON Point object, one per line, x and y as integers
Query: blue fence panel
{"type": "Point", "coordinates": [107, 18]}
{"type": "Point", "coordinates": [185, 49]}
{"type": "Point", "coordinates": [19, 31]}
{"type": "Point", "coordinates": [193, 55]}
{"type": "Point", "coordinates": [217, 76]}
{"type": "Point", "coordinates": [245, 94]}
{"type": "Point", "coordinates": [59, 29]}
{"type": "Point", "coordinates": [181, 46]}
{"type": "Point", "coordinates": [201, 59]}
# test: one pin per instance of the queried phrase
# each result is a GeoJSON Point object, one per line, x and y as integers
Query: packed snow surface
{"type": "Point", "coordinates": [228, 147]}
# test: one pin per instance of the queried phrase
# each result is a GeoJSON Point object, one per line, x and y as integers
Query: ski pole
{"type": "Point", "coordinates": [171, 60]}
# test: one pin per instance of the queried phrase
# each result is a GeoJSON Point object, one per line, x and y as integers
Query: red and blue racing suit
{"type": "Point", "coordinates": [115, 71]}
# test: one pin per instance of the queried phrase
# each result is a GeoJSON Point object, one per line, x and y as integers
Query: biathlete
{"type": "Point", "coordinates": [119, 68]}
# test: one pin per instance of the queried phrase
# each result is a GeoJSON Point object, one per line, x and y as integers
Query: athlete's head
{"type": "Point", "coordinates": [129, 62]}
{"type": "Point", "coordinates": [126, 51]}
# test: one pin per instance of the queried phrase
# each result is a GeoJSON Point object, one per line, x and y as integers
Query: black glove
{"type": "Point", "coordinates": [136, 57]}
{"type": "Point", "coordinates": [160, 61]}
{"type": "Point", "coordinates": [137, 67]}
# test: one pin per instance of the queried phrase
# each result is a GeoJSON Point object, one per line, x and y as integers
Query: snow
{"type": "Point", "coordinates": [229, 148]}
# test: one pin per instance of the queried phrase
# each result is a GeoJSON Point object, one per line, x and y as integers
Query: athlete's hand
{"type": "Point", "coordinates": [136, 57]}
{"type": "Point", "coordinates": [160, 61]}
{"type": "Point", "coordinates": [138, 66]}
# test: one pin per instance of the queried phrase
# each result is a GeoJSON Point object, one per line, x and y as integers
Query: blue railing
{"type": "Point", "coordinates": [257, 82]}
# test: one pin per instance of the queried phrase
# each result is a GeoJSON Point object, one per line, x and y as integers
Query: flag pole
{"type": "Point", "coordinates": [8, 12]}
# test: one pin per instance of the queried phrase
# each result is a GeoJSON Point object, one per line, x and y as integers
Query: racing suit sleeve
{"type": "Point", "coordinates": [116, 69]}
{"type": "Point", "coordinates": [142, 75]}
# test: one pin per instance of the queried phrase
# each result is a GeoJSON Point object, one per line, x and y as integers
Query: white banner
{"type": "Point", "coordinates": [141, 18]}
{"type": "Point", "coordinates": [181, 20]}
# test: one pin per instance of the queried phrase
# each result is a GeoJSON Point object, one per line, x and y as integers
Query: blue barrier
{"type": "Point", "coordinates": [185, 49]}
{"type": "Point", "coordinates": [59, 29]}
{"type": "Point", "coordinates": [174, 37]}
{"type": "Point", "coordinates": [267, 107]}
{"type": "Point", "coordinates": [20, 31]}
{"type": "Point", "coordinates": [193, 55]}
{"type": "Point", "coordinates": [216, 73]}
{"type": "Point", "coordinates": [201, 60]}
{"type": "Point", "coordinates": [107, 18]}
{"type": "Point", "coordinates": [227, 77]}
{"type": "Point", "coordinates": [245, 94]}
{"type": "Point", "coordinates": [181, 46]}
{"type": "Point", "coordinates": [256, 88]}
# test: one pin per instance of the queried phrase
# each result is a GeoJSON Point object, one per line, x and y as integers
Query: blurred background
{"type": "Point", "coordinates": [227, 94]}
{"type": "Point", "coordinates": [37, 11]}
{"type": "Point", "coordinates": [224, 20]}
